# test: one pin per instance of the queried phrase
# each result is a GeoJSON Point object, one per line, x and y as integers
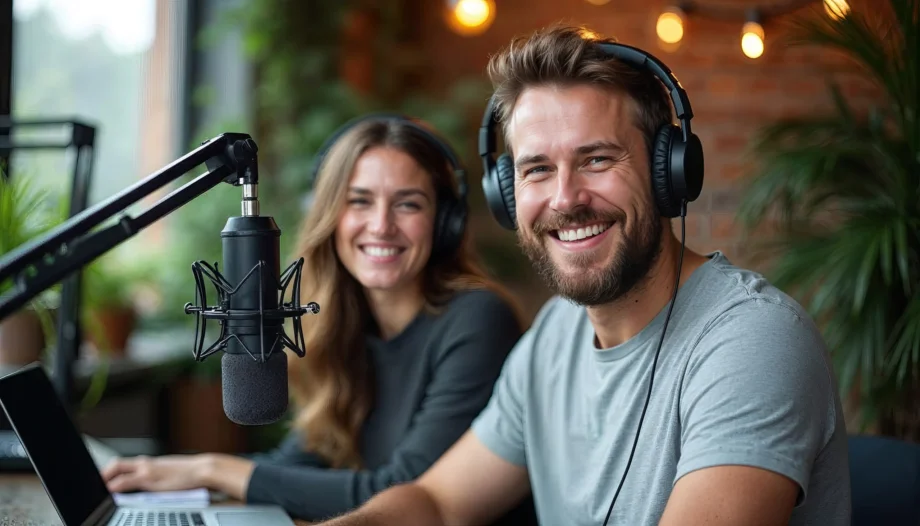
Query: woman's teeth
{"type": "Point", "coordinates": [380, 252]}
{"type": "Point", "coordinates": [581, 233]}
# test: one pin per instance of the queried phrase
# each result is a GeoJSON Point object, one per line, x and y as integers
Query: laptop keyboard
{"type": "Point", "coordinates": [160, 518]}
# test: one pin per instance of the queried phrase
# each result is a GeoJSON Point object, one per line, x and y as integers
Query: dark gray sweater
{"type": "Point", "coordinates": [432, 380]}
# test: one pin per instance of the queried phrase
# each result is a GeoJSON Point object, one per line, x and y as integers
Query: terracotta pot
{"type": "Point", "coordinates": [21, 338]}
{"type": "Point", "coordinates": [116, 324]}
{"type": "Point", "coordinates": [198, 420]}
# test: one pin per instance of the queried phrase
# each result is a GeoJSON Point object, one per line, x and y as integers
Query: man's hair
{"type": "Point", "coordinates": [566, 56]}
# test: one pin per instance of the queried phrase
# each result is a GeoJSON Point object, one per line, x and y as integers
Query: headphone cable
{"type": "Point", "coordinates": [648, 396]}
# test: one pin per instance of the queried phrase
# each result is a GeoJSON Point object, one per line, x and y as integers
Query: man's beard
{"type": "Point", "coordinates": [635, 255]}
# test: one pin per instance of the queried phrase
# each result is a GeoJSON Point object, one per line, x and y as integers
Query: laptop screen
{"type": "Point", "coordinates": [51, 439]}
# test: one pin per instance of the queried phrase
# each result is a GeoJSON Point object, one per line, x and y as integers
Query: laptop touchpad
{"type": "Point", "coordinates": [241, 518]}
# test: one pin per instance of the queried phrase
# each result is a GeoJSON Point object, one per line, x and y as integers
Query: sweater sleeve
{"type": "Point", "coordinates": [477, 339]}
{"type": "Point", "coordinates": [289, 452]}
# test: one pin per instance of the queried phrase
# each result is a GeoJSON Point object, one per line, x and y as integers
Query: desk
{"type": "Point", "coordinates": [23, 502]}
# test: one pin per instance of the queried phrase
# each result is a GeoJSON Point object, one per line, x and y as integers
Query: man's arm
{"type": "Point", "coordinates": [730, 496]}
{"type": "Point", "coordinates": [757, 407]}
{"type": "Point", "coordinates": [469, 485]}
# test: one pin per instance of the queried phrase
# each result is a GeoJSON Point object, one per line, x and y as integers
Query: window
{"type": "Point", "coordinates": [116, 65]}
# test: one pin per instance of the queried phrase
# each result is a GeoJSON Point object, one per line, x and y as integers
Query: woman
{"type": "Point", "coordinates": [407, 346]}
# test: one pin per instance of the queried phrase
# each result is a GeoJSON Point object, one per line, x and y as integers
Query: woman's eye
{"type": "Point", "coordinates": [357, 201]}
{"type": "Point", "coordinates": [410, 205]}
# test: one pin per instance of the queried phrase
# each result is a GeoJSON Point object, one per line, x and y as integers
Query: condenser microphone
{"type": "Point", "coordinates": [251, 312]}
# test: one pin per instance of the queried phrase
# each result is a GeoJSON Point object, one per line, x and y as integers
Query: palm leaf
{"type": "Point", "coordinates": [842, 191]}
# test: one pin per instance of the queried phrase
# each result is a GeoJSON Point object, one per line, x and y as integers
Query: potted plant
{"type": "Point", "coordinates": [109, 313]}
{"type": "Point", "coordinates": [841, 191]}
{"type": "Point", "coordinates": [26, 211]}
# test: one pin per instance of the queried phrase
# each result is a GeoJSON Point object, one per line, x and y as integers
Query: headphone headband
{"type": "Point", "coordinates": [644, 60]}
{"type": "Point", "coordinates": [433, 139]}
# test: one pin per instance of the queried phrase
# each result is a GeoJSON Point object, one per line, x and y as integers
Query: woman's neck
{"type": "Point", "coordinates": [394, 310]}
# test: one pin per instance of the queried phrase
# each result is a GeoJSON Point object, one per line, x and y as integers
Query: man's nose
{"type": "Point", "coordinates": [569, 192]}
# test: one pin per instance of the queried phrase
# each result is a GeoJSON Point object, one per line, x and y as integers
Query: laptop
{"type": "Point", "coordinates": [71, 477]}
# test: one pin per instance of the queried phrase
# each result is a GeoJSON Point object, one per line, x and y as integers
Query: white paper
{"type": "Point", "coordinates": [193, 498]}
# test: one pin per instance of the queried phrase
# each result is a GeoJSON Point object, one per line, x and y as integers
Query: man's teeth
{"type": "Point", "coordinates": [380, 251]}
{"type": "Point", "coordinates": [581, 233]}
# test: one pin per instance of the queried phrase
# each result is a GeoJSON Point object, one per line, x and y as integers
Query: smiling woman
{"type": "Point", "coordinates": [406, 350]}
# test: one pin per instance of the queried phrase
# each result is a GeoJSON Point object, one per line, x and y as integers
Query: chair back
{"type": "Point", "coordinates": [885, 481]}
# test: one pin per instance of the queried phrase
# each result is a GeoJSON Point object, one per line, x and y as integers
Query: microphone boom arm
{"type": "Point", "coordinates": [42, 262]}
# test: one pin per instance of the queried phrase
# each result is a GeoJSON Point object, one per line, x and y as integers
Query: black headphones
{"type": "Point", "coordinates": [452, 209]}
{"type": "Point", "coordinates": [676, 156]}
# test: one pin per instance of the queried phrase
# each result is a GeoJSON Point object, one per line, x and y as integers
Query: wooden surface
{"type": "Point", "coordinates": [23, 502]}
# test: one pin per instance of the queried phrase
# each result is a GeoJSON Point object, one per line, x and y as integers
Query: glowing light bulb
{"type": "Point", "coordinates": [836, 9]}
{"type": "Point", "coordinates": [599, 2]}
{"type": "Point", "coordinates": [670, 26]}
{"type": "Point", "coordinates": [752, 40]}
{"type": "Point", "coordinates": [472, 13]}
{"type": "Point", "coordinates": [470, 17]}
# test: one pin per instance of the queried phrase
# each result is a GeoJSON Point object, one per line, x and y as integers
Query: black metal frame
{"type": "Point", "coordinates": [743, 12]}
{"type": "Point", "coordinates": [82, 139]}
{"type": "Point", "coordinates": [41, 263]}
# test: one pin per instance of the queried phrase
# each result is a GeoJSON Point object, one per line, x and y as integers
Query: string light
{"type": "Point", "coordinates": [671, 22]}
{"type": "Point", "coordinates": [598, 2]}
{"type": "Point", "coordinates": [470, 17]}
{"type": "Point", "coordinates": [670, 26]}
{"type": "Point", "coordinates": [752, 39]}
{"type": "Point", "coordinates": [836, 9]}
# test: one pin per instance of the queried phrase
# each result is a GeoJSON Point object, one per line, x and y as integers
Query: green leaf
{"type": "Point", "coordinates": [886, 255]}
{"type": "Point", "coordinates": [905, 355]}
{"type": "Point", "coordinates": [900, 233]}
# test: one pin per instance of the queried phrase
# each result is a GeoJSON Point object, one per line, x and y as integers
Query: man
{"type": "Point", "coordinates": [743, 425]}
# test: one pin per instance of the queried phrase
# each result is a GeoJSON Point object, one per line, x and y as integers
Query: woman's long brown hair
{"type": "Point", "coordinates": [333, 385]}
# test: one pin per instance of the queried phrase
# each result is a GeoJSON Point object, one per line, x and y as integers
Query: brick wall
{"type": "Point", "coordinates": [731, 95]}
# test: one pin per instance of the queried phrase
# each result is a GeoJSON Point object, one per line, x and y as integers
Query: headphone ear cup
{"type": "Point", "coordinates": [449, 228]}
{"type": "Point", "coordinates": [687, 170]}
{"type": "Point", "coordinates": [504, 169]}
{"type": "Point", "coordinates": [439, 241]}
{"type": "Point", "coordinates": [668, 205]}
{"type": "Point", "coordinates": [498, 188]}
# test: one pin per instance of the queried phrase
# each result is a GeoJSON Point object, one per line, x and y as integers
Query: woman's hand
{"type": "Point", "coordinates": [178, 472]}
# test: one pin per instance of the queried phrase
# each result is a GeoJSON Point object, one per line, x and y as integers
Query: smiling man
{"type": "Point", "coordinates": [716, 406]}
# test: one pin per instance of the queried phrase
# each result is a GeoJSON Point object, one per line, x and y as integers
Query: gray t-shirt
{"type": "Point", "coordinates": [743, 378]}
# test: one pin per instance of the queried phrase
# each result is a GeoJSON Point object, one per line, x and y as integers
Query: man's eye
{"type": "Point", "coordinates": [536, 169]}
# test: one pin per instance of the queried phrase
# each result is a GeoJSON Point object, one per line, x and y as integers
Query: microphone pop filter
{"type": "Point", "coordinates": [254, 392]}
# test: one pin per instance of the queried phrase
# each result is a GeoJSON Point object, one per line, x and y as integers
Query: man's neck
{"type": "Point", "coordinates": [617, 322]}
{"type": "Point", "coordinates": [393, 310]}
